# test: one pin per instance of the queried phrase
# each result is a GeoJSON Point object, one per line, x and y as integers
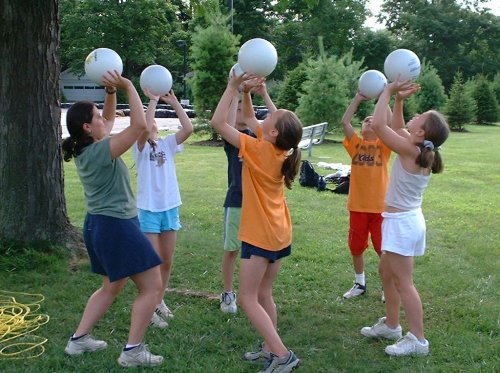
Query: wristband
{"type": "Point", "coordinates": [110, 91]}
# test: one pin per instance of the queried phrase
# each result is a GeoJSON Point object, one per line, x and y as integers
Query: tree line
{"type": "Point", "coordinates": [322, 45]}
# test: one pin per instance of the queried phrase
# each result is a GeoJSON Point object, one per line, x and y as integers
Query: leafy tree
{"type": "Point", "coordinates": [213, 51]}
{"type": "Point", "coordinates": [291, 90]}
{"type": "Point", "coordinates": [302, 22]}
{"type": "Point", "coordinates": [486, 102]}
{"type": "Point", "coordinates": [33, 205]}
{"type": "Point", "coordinates": [470, 38]}
{"type": "Point", "coordinates": [431, 95]}
{"type": "Point", "coordinates": [461, 108]}
{"type": "Point", "coordinates": [327, 89]}
{"type": "Point", "coordinates": [251, 18]}
{"type": "Point", "coordinates": [373, 47]}
{"type": "Point", "coordinates": [141, 32]}
{"type": "Point", "coordinates": [496, 86]}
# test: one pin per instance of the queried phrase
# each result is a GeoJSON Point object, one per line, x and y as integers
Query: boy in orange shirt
{"type": "Point", "coordinates": [368, 184]}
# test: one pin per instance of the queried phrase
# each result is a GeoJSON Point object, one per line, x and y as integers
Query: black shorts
{"type": "Point", "coordinates": [247, 250]}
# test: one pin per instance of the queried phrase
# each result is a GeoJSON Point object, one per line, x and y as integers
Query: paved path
{"type": "Point", "coordinates": [123, 122]}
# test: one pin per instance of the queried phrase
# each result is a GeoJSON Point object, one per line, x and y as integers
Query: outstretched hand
{"type": "Point", "coordinates": [401, 86]}
{"type": "Point", "coordinates": [150, 95]}
{"type": "Point", "coordinates": [361, 97]}
{"type": "Point", "coordinates": [113, 78]}
{"type": "Point", "coordinates": [401, 95]}
{"type": "Point", "coordinates": [256, 85]}
{"type": "Point", "coordinates": [236, 81]}
{"type": "Point", "coordinates": [170, 98]}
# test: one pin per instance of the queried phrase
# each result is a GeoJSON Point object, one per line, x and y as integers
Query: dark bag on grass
{"type": "Point", "coordinates": [310, 178]}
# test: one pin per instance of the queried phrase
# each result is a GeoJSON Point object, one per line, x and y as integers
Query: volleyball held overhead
{"type": "Point", "coordinates": [157, 79]}
{"type": "Point", "coordinates": [402, 62]}
{"type": "Point", "coordinates": [100, 61]}
{"type": "Point", "coordinates": [258, 56]}
{"type": "Point", "coordinates": [372, 83]}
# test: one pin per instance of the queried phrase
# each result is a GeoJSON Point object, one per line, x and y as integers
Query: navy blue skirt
{"type": "Point", "coordinates": [117, 247]}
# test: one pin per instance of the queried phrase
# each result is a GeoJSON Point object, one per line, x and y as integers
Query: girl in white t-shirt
{"type": "Point", "coordinates": [158, 197]}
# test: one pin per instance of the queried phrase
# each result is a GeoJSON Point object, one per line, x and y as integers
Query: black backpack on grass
{"type": "Point", "coordinates": [310, 178]}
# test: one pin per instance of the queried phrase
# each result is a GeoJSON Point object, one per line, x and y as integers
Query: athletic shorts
{"type": "Point", "coordinates": [232, 218]}
{"type": "Point", "coordinates": [117, 247]}
{"type": "Point", "coordinates": [157, 222]}
{"type": "Point", "coordinates": [362, 225]}
{"type": "Point", "coordinates": [403, 233]}
{"type": "Point", "coordinates": [248, 250]}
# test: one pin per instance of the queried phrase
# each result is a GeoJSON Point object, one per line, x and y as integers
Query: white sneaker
{"type": "Point", "coordinates": [164, 312]}
{"type": "Point", "coordinates": [87, 343]}
{"type": "Point", "coordinates": [408, 345]}
{"type": "Point", "coordinates": [228, 302]}
{"type": "Point", "coordinates": [157, 321]}
{"type": "Point", "coordinates": [380, 330]}
{"type": "Point", "coordinates": [356, 290]}
{"type": "Point", "coordinates": [259, 355]}
{"type": "Point", "coordinates": [139, 357]}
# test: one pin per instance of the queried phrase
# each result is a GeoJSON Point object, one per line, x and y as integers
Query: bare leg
{"type": "Point", "coordinates": [164, 245]}
{"type": "Point", "coordinates": [228, 268]}
{"type": "Point", "coordinates": [392, 299]}
{"type": "Point", "coordinates": [98, 304]}
{"type": "Point", "coordinates": [151, 290]}
{"type": "Point", "coordinates": [359, 264]}
{"type": "Point", "coordinates": [256, 278]}
{"type": "Point", "coordinates": [402, 269]}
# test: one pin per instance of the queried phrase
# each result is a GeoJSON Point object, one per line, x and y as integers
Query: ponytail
{"type": "Point", "coordinates": [436, 132]}
{"type": "Point", "coordinates": [290, 167]}
{"type": "Point", "coordinates": [289, 135]}
{"type": "Point", "coordinates": [79, 113]}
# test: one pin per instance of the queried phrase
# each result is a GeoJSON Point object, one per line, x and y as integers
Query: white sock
{"type": "Point", "coordinates": [128, 347]}
{"type": "Point", "coordinates": [360, 278]}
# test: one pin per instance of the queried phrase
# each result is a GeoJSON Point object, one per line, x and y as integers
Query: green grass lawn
{"type": "Point", "coordinates": [457, 278]}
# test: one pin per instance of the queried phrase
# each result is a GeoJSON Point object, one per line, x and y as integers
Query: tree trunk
{"type": "Point", "coordinates": [32, 202]}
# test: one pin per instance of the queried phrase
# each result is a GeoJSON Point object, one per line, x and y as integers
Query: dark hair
{"type": "Point", "coordinates": [79, 113]}
{"type": "Point", "coordinates": [436, 130]}
{"type": "Point", "coordinates": [289, 130]}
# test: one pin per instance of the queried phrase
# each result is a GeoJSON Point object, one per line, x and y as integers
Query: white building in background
{"type": "Point", "coordinates": [76, 88]}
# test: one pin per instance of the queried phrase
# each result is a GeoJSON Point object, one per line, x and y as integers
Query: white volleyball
{"type": "Point", "coordinates": [371, 83]}
{"type": "Point", "coordinates": [258, 56]}
{"type": "Point", "coordinates": [237, 70]}
{"type": "Point", "coordinates": [157, 79]}
{"type": "Point", "coordinates": [100, 61]}
{"type": "Point", "coordinates": [402, 62]}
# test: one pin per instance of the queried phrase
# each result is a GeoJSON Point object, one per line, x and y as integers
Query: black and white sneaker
{"type": "Point", "coordinates": [356, 290]}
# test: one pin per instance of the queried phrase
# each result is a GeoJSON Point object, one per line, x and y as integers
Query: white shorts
{"type": "Point", "coordinates": [403, 233]}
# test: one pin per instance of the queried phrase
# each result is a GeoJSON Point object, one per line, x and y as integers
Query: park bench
{"type": "Point", "coordinates": [312, 135]}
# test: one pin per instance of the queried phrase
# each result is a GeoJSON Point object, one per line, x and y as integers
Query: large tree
{"type": "Point", "coordinates": [33, 206]}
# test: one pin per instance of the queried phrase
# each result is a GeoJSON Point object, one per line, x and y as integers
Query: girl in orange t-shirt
{"type": "Point", "coordinates": [270, 162]}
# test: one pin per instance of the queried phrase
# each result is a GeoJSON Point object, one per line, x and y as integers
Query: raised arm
{"type": "Point", "coordinates": [186, 125]}
{"type": "Point", "coordinates": [150, 119]}
{"type": "Point", "coordinates": [247, 106]}
{"type": "Point", "coordinates": [398, 122]}
{"type": "Point", "coordinates": [233, 110]}
{"type": "Point", "coordinates": [122, 141]}
{"type": "Point", "coordinates": [219, 119]}
{"type": "Point", "coordinates": [388, 135]}
{"type": "Point", "coordinates": [261, 90]}
{"type": "Point", "coordinates": [349, 113]}
{"type": "Point", "coordinates": [109, 108]}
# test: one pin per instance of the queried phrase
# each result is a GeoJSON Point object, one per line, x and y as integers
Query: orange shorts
{"type": "Point", "coordinates": [362, 224]}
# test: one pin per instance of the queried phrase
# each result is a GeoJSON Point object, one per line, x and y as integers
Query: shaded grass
{"type": "Point", "coordinates": [457, 278]}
